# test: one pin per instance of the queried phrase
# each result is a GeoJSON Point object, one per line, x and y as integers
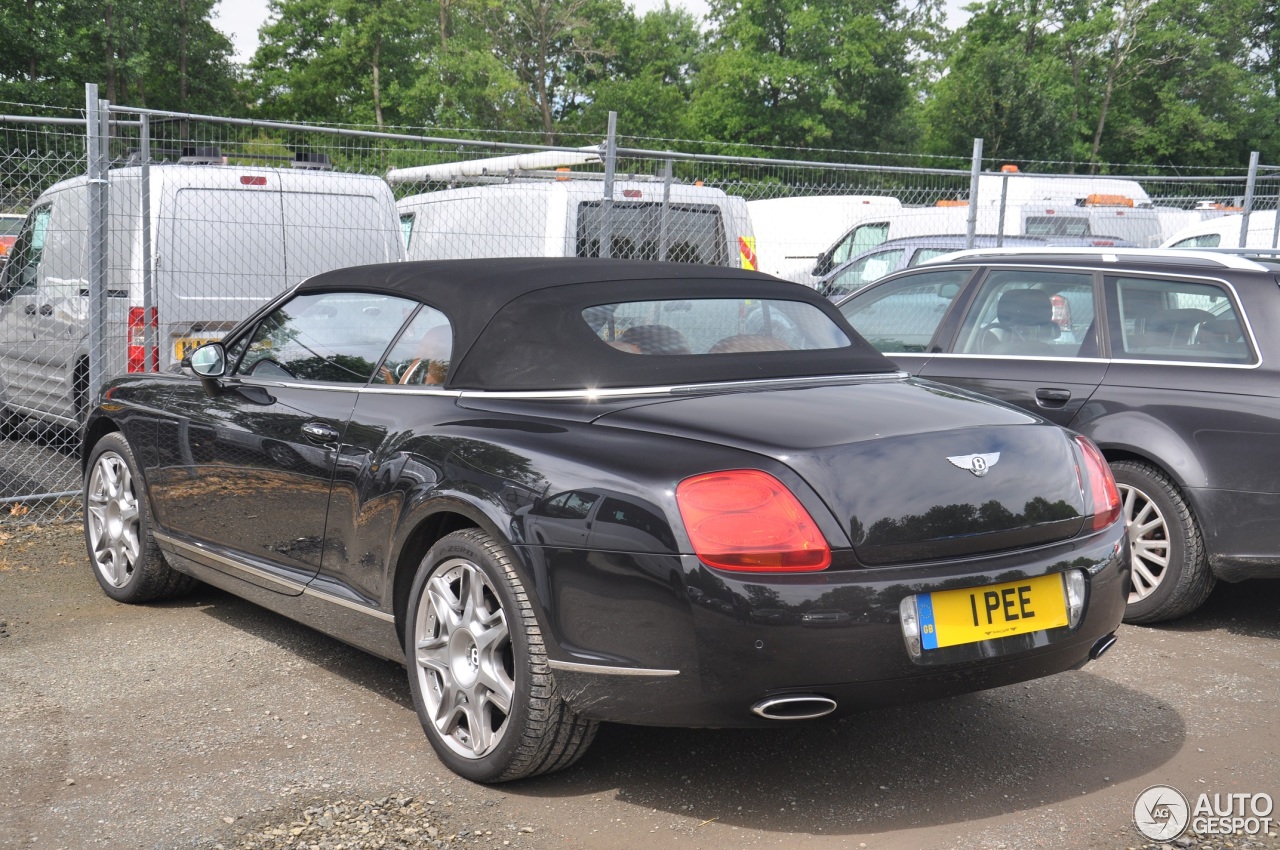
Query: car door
{"type": "Point", "coordinates": [1028, 337]}
{"type": "Point", "coordinates": [20, 312]}
{"type": "Point", "coordinates": [270, 434]}
{"type": "Point", "coordinates": [903, 316]}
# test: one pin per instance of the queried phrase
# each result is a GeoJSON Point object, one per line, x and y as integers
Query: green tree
{"type": "Point", "coordinates": [811, 72]}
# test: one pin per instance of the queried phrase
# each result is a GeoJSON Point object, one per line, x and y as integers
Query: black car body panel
{"type": "Point", "coordinates": [318, 501]}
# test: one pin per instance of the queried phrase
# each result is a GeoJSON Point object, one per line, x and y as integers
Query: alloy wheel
{"type": "Point", "coordinates": [1149, 535]}
{"type": "Point", "coordinates": [113, 520]}
{"type": "Point", "coordinates": [464, 659]}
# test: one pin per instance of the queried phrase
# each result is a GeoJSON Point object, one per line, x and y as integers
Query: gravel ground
{"type": "Point", "coordinates": [208, 723]}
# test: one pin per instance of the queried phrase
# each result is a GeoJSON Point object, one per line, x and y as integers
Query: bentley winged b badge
{"type": "Point", "coordinates": [977, 464]}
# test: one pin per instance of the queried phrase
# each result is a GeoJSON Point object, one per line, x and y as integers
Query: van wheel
{"type": "Point", "coordinates": [478, 667]}
{"type": "Point", "coordinates": [1169, 571]}
{"type": "Point", "coordinates": [117, 529]}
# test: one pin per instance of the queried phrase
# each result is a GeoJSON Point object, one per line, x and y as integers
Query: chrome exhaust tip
{"type": "Point", "coordinates": [794, 707]}
{"type": "Point", "coordinates": [1102, 646]}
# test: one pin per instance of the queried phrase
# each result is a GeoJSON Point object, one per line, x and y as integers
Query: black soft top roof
{"type": "Point", "coordinates": [518, 325]}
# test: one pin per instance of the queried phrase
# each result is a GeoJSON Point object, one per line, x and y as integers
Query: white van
{"type": "Point", "coordinates": [541, 217]}
{"type": "Point", "coordinates": [224, 239]}
{"type": "Point", "coordinates": [1224, 232]}
{"type": "Point", "coordinates": [791, 233]}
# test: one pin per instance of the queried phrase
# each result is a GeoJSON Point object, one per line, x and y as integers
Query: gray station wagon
{"type": "Point", "coordinates": [1162, 357]}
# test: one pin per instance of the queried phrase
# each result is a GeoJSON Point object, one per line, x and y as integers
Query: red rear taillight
{"type": "Point", "coordinates": [747, 520]}
{"type": "Point", "coordinates": [250, 180]}
{"type": "Point", "coordinates": [1100, 485]}
{"type": "Point", "coordinates": [1061, 311]}
{"type": "Point", "coordinates": [137, 341]}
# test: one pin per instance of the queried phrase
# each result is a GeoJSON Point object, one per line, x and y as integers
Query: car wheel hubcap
{"type": "Point", "coordinates": [464, 659]}
{"type": "Point", "coordinates": [113, 519]}
{"type": "Point", "coordinates": [1149, 535]}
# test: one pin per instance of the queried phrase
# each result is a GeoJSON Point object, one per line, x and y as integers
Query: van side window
{"type": "Point", "coordinates": [337, 337]}
{"type": "Point", "coordinates": [1153, 319]}
{"type": "Point", "coordinates": [406, 228]}
{"type": "Point", "coordinates": [680, 233]}
{"type": "Point", "coordinates": [24, 259]}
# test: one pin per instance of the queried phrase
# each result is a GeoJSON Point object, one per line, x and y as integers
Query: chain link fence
{"type": "Point", "coordinates": [135, 235]}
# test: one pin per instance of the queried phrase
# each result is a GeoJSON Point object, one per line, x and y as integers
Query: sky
{"type": "Point", "coordinates": [241, 19]}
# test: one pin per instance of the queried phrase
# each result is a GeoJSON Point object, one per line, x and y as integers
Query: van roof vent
{"type": "Point", "coordinates": [201, 156]}
{"type": "Point", "coordinates": [312, 161]}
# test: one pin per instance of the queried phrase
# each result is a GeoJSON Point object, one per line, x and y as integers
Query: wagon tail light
{"type": "Point", "coordinates": [138, 354]}
{"type": "Point", "coordinates": [748, 521]}
{"type": "Point", "coordinates": [1099, 485]}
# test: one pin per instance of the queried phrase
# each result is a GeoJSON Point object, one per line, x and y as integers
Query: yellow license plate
{"type": "Point", "coordinates": [184, 345]}
{"type": "Point", "coordinates": [951, 617]}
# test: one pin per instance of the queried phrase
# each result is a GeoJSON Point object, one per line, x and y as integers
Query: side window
{"type": "Point", "coordinates": [23, 266]}
{"type": "Point", "coordinates": [903, 315]}
{"type": "Point", "coordinates": [861, 238]}
{"type": "Point", "coordinates": [1154, 319]}
{"type": "Point", "coordinates": [406, 228]}
{"type": "Point", "coordinates": [861, 272]}
{"type": "Point", "coordinates": [1032, 313]}
{"type": "Point", "coordinates": [336, 337]}
{"type": "Point", "coordinates": [421, 355]}
{"type": "Point", "coordinates": [925, 254]}
{"type": "Point", "coordinates": [1205, 240]}
{"type": "Point", "coordinates": [1057, 225]}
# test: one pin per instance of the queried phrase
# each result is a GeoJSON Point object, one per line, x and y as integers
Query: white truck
{"type": "Point", "coordinates": [223, 240]}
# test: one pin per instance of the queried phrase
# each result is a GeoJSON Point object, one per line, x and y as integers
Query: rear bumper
{"type": "Point", "coordinates": [729, 643]}
{"type": "Point", "coordinates": [1240, 532]}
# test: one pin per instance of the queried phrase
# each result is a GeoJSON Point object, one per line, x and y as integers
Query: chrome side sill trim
{"type": "Point", "coordinates": [293, 586]}
{"type": "Point", "coordinates": [603, 670]}
{"type": "Point", "coordinates": [347, 603]}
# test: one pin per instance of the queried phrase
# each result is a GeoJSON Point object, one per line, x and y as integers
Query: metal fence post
{"type": "Point", "coordinates": [97, 121]}
{"type": "Point", "coordinates": [974, 178]}
{"type": "Point", "coordinates": [1249, 187]}
{"type": "Point", "coordinates": [664, 234]}
{"type": "Point", "coordinates": [1004, 200]}
{"type": "Point", "coordinates": [148, 293]}
{"type": "Point", "coordinates": [1275, 223]}
{"type": "Point", "coordinates": [610, 166]}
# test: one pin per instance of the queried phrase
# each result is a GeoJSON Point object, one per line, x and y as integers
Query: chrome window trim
{"type": "Point", "coordinates": [677, 389]}
{"type": "Point", "coordinates": [1024, 358]}
{"type": "Point", "coordinates": [604, 670]}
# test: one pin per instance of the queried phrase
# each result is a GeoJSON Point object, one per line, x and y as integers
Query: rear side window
{"type": "Point", "coordinates": [1204, 240]}
{"type": "Point", "coordinates": [1158, 319]}
{"type": "Point", "coordinates": [680, 233]}
{"type": "Point", "coordinates": [902, 315]}
{"type": "Point", "coordinates": [714, 326]}
{"type": "Point", "coordinates": [337, 337]}
{"type": "Point", "coordinates": [1031, 314]}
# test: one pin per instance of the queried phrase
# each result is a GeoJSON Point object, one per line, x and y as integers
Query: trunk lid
{"type": "Point", "coordinates": [912, 471]}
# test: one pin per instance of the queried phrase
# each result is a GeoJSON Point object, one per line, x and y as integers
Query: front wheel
{"type": "Point", "coordinates": [478, 667]}
{"type": "Point", "coordinates": [117, 529]}
{"type": "Point", "coordinates": [1169, 571]}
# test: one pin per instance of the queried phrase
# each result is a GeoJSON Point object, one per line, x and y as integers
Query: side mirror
{"type": "Point", "coordinates": [209, 361]}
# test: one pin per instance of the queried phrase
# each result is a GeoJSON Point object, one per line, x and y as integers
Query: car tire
{"type": "Point", "coordinates": [117, 529]}
{"type": "Point", "coordinates": [1169, 570]}
{"type": "Point", "coordinates": [478, 667]}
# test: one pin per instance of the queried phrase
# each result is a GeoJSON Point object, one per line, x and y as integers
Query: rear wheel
{"type": "Point", "coordinates": [117, 529]}
{"type": "Point", "coordinates": [478, 667]}
{"type": "Point", "coordinates": [1169, 571]}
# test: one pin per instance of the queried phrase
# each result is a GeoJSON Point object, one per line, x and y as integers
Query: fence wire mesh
{"type": "Point", "coordinates": [207, 218]}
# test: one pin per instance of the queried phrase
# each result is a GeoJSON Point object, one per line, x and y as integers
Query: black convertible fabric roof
{"type": "Point", "coordinates": [518, 326]}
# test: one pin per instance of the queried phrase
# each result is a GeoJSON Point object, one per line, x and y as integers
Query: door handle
{"type": "Point", "coordinates": [1052, 397]}
{"type": "Point", "coordinates": [319, 433]}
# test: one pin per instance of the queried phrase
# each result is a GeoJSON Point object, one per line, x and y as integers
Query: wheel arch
{"type": "Point", "coordinates": [94, 431]}
{"type": "Point", "coordinates": [1138, 437]}
{"type": "Point", "coordinates": [444, 516]}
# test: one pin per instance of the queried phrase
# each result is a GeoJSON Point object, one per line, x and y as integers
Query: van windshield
{"type": "Point", "coordinates": [680, 233]}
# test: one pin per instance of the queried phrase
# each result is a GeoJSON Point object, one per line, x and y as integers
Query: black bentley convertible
{"type": "Point", "coordinates": [568, 491]}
